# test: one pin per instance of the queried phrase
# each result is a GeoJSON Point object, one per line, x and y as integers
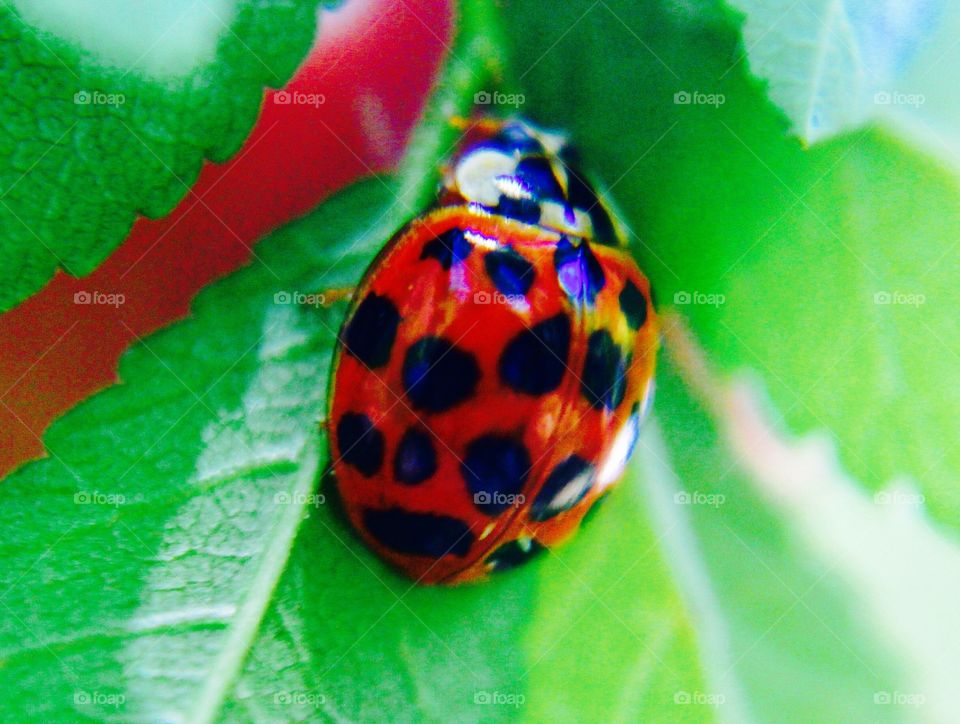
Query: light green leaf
{"type": "Point", "coordinates": [826, 601]}
{"type": "Point", "coordinates": [109, 114]}
{"type": "Point", "coordinates": [148, 546]}
{"type": "Point", "coordinates": [928, 110]}
{"type": "Point", "coordinates": [832, 64]}
{"type": "Point", "coordinates": [589, 631]}
{"type": "Point", "coordinates": [784, 260]}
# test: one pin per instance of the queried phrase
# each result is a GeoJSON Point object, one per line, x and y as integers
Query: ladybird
{"type": "Point", "coordinates": [495, 365]}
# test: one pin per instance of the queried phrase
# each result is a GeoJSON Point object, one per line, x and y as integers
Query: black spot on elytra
{"type": "Point", "coordinates": [578, 271]}
{"type": "Point", "coordinates": [361, 444]}
{"type": "Point", "coordinates": [566, 486]}
{"type": "Point", "coordinates": [510, 272]}
{"type": "Point", "coordinates": [449, 248]}
{"type": "Point", "coordinates": [415, 459]}
{"type": "Point", "coordinates": [534, 361]}
{"type": "Point", "coordinates": [512, 554]}
{"type": "Point", "coordinates": [371, 331]}
{"type": "Point", "coordinates": [633, 305]}
{"type": "Point", "coordinates": [582, 196]}
{"type": "Point", "coordinates": [604, 378]}
{"type": "Point", "coordinates": [438, 375]}
{"type": "Point", "coordinates": [495, 469]}
{"type": "Point", "coordinates": [418, 534]}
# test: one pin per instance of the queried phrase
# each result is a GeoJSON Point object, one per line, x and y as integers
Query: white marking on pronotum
{"type": "Point", "coordinates": [477, 172]}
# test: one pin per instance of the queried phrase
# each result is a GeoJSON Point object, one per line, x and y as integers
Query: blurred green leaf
{"type": "Point", "coordinates": [814, 599]}
{"type": "Point", "coordinates": [928, 107]}
{"type": "Point", "coordinates": [832, 64]}
{"type": "Point", "coordinates": [784, 259]}
{"type": "Point", "coordinates": [109, 114]}
{"type": "Point", "coordinates": [826, 271]}
{"type": "Point", "coordinates": [735, 602]}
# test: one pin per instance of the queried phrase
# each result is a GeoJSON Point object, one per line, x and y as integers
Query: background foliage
{"type": "Point", "coordinates": [803, 236]}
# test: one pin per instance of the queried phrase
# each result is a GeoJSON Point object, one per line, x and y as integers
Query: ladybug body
{"type": "Point", "coordinates": [494, 367]}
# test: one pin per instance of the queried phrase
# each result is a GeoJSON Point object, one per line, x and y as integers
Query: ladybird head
{"type": "Point", "coordinates": [515, 169]}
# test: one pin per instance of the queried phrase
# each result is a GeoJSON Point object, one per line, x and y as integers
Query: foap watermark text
{"type": "Point", "coordinates": [299, 98]}
{"type": "Point", "coordinates": [302, 299]}
{"type": "Point", "coordinates": [299, 698]}
{"type": "Point", "coordinates": [683, 298]}
{"type": "Point", "coordinates": [110, 299]}
{"type": "Point", "coordinates": [698, 98]}
{"type": "Point", "coordinates": [905, 299]}
{"type": "Point", "coordinates": [314, 499]}
{"type": "Point", "coordinates": [496, 98]}
{"type": "Point", "coordinates": [898, 98]}
{"type": "Point", "coordinates": [98, 98]}
{"type": "Point", "coordinates": [498, 698]}
{"type": "Point", "coordinates": [497, 298]}
{"type": "Point", "coordinates": [713, 500]}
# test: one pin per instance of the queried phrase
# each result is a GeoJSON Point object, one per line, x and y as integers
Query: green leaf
{"type": "Point", "coordinates": [792, 597]}
{"type": "Point", "coordinates": [168, 505]}
{"type": "Point", "coordinates": [832, 64]}
{"type": "Point", "coordinates": [110, 114]}
{"type": "Point", "coordinates": [823, 602]}
{"type": "Point", "coordinates": [783, 259]}
{"type": "Point", "coordinates": [928, 109]}
{"type": "Point", "coordinates": [587, 631]}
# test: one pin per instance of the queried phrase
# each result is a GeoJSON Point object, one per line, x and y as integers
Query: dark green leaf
{"type": "Point", "coordinates": [108, 114]}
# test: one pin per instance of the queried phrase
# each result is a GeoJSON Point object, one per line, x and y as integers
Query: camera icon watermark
{"type": "Point", "coordinates": [95, 497]}
{"type": "Point", "coordinates": [483, 697]}
{"type": "Point", "coordinates": [497, 298]}
{"type": "Point", "coordinates": [698, 698]}
{"type": "Point", "coordinates": [906, 299]}
{"type": "Point", "coordinates": [298, 98]}
{"type": "Point", "coordinates": [98, 698]}
{"type": "Point", "coordinates": [498, 498]}
{"type": "Point", "coordinates": [300, 298]}
{"type": "Point", "coordinates": [698, 98]}
{"type": "Point", "coordinates": [99, 298]}
{"type": "Point", "coordinates": [98, 98]}
{"type": "Point", "coordinates": [900, 698]}
{"type": "Point", "coordinates": [897, 98]}
{"type": "Point", "coordinates": [299, 698]}
{"type": "Point", "coordinates": [683, 298]}
{"type": "Point", "coordinates": [314, 499]}
{"type": "Point", "coordinates": [899, 497]}
{"type": "Point", "coordinates": [496, 98]}
{"type": "Point", "coordinates": [713, 500]}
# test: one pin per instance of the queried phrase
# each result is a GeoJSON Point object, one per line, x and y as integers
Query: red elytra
{"type": "Point", "coordinates": [494, 367]}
